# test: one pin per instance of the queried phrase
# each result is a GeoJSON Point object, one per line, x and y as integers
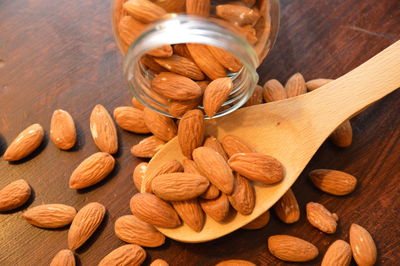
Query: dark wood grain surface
{"type": "Point", "coordinates": [61, 54]}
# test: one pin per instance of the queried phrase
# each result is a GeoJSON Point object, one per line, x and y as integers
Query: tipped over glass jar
{"type": "Point", "coordinates": [174, 49]}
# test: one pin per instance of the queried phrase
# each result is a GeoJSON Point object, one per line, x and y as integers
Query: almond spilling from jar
{"type": "Point", "coordinates": [182, 66]}
{"type": "Point", "coordinates": [290, 248]}
{"type": "Point", "coordinates": [14, 195]}
{"type": "Point", "coordinates": [175, 87]}
{"type": "Point", "coordinates": [147, 147]}
{"type": "Point", "coordinates": [243, 197]}
{"type": "Point", "coordinates": [125, 255]}
{"type": "Point", "coordinates": [25, 143]}
{"type": "Point", "coordinates": [144, 10]}
{"type": "Point", "coordinates": [179, 108]}
{"type": "Point", "coordinates": [233, 144]}
{"type": "Point", "coordinates": [274, 91]}
{"type": "Point", "coordinates": [64, 257]}
{"type": "Point", "coordinates": [258, 223]}
{"type": "Point", "coordinates": [92, 170]}
{"type": "Point", "coordinates": [216, 93]}
{"type": "Point", "coordinates": [191, 213]}
{"type": "Point", "coordinates": [217, 209]}
{"type": "Point", "coordinates": [130, 119]}
{"type": "Point", "coordinates": [362, 245]}
{"type": "Point", "coordinates": [138, 175]}
{"type": "Point", "coordinates": [338, 254]}
{"type": "Point", "coordinates": [168, 167]}
{"type": "Point", "coordinates": [149, 62]}
{"type": "Point", "coordinates": [161, 126]}
{"type": "Point", "coordinates": [238, 14]}
{"type": "Point", "coordinates": [129, 29]}
{"type": "Point", "coordinates": [191, 132]}
{"type": "Point", "coordinates": [321, 218]}
{"type": "Point", "coordinates": [103, 130]}
{"type": "Point", "coordinates": [226, 59]}
{"type": "Point", "coordinates": [333, 182]}
{"type": "Point", "coordinates": [161, 51]}
{"type": "Point", "coordinates": [50, 215]}
{"type": "Point", "coordinates": [62, 130]}
{"type": "Point", "coordinates": [131, 229]}
{"type": "Point", "coordinates": [198, 7]}
{"type": "Point", "coordinates": [287, 208]}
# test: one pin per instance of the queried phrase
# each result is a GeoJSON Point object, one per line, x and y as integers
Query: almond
{"type": "Point", "coordinates": [179, 186]}
{"type": "Point", "coordinates": [198, 7]}
{"type": "Point", "coordinates": [125, 255]}
{"type": "Point", "coordinates": [25, 143]}
{"type": "Point", "coordinates": [274, 91]}
{"type": "Point", "coordinates": [171, 6]}
{"type": "Point", "coordinates": [343, 135]}
{"type": "Point", "coordinates": [147, 147]}
{"type": "Point", "coordinates": [203, 85]}
{"type": "Point", "coordinates": [153, 210]}
{"type": "Point", "coordinates": [287, 208]}
{"type": "Point", "coordinates": [290, 248]}
{"type": "Point", "coordinates": [182, 50]}
{"type": "Point", "coordinates": [191, 213]}
{"type": "Point", "coordinates": [214, 167]}
{"type": "Point", "coordinates": [137, 104]}
{"type": "Point", "coordinates": [212, 192]}
{"type": "Point", "coordinates": [130, 119]}
{"type": "Point", "coordinates": [138, 175]}
{"type": "Point", "coordinates": [161, 126]}
{"type": "Point", "coordinates": [226, 59]}
{"type": "Point", "coordinates": [179, 108]}
{"type": "Point", "coordinates": [242, 198]}
{"type": "Point", "coordinates": [257, 167]}
{"type": "Point", "coordinates": [362, 245]}
{"type": "Point", "coordinates": [168, 167]}
{"type": "Point", "coordinates": [85, 223]}
{"type": "Point", "coordinates": [216, 93]}
{"type": "Point", "coordinates": [14, 195]}
{"type": "Point", "coordinates": [159, 262]}
{"type": "Point", "coordinates": [182, 66]}
{"type": "Point", "coordinates": [62, 130]}
{"type": "Point", "coordinates": [50, 215]}
{"type": "Point", "coordinates": [316, 83]}
{"type": "Point", "coordinates": [129, 29]}
{"type": "Point", "coordinates": [338, 254]}
{"type": "Point", "coordinates": [237, 14]}
{"type": "Point", "coordinates": [131, 229]}
{"type": "Point", "coordinates": [162, 51]}
{"type": "Point", "coordinates": [333, 182]}
{"type": "Point", "coordinates": [249, 33]}
{"type": "Point", "coordinates": [218, 208]}
{"type": "Point", "coordinates": [321, 218]}
{"type": "Point", "coordinates": [235, 263]}
{"type": "Point", "coordinates": [233, 144]}
{"type": "Point", "coordinates": [295, 85]}
{"type": "Point", "coordinates": [256, 98]}
{"type": "Point", "coordinates": [92, 170]}
{"type": "Point", "coordinates": [175, 87]}
{"type": "Point", "coordinates": [191, 131]}
{"type": "Point", "coordinates": [144, 10]}
{"type": "Point", "coordinates": [213, 143]}
{"type": "Point", "coordinates": [190, 167]}
{"type": "Point", "coordinates": [154, 99]}
{"type": "Point", "coordinates": [206, 61]}
{"type": "Point", "coordinates": [249, 2]}
{"type": "Point", "coordinates": [103, 130]}
{"type": "Point", "coordinates": [258, 223]}
{"type": "Point", "coordinates": [149, 62]}
{"type": "Point", "coordinates": [64, 257]}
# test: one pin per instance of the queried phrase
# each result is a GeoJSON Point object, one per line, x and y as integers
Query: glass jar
{"type": "Point", "coordinates": [215, 38]}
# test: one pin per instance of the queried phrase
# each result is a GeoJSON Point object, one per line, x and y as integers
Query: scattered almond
{"type": "Point", "coordinates": [218, 208]}
{"type": "Point", "coordinates": [153, 210]}
{"type": "Point", "coordinates": [50, 215]}
{"type": "Point", "coordinates": [130, 119]}
{"type": "Point", "coordinates": [182, 66]}
{"type": "Point", "coordinates": [64, 257]}
{"type": "Point", "coordinates": [147, 147]}
{"type": "Point", "coordinates": [25, 143]}
{"type": "Point", "coordinates": [213, 143]}
{"type": "Point", "coordinates": [144, 10]}
{"type": "Point", "coordinates": [125, 255]}
{"type": "Point", "coordinates": [131, 229]}
{"type": "Point", "coordinates": [139, 174]}
{"type": "Point", "coordinates": [198, 7]}
{"type": "Point", "coordinates": [159, 262]}
{"type": "Point", "coordinates": [191, 213]}
{"type": "Point", "coordinates": [338, 254]}
{"type": "Point", "coordinates": [238, 14]}
{"type": "Point", "coordinates": [161, 126]}
{"type": "Point", "coordinates": [92, 170]}
{"type": "Point", "coordinates": [235, 263]}
{"type": "Point", "coordinates": [233, 144]}
{"type": "Point", "coordinates": [62, 130]}
{"type": "Point", "coordinates": [212, 192]}
{"type": "Point", "coordinates": [216, 93]}
{"type": "Point", "coordinates": [242, 198]}
{"type": "Point", "coordinates": [321, 218]}
{"type": "Point", "coordinates": [256, 98]}
{"type": "Point", "coordinates": [362, 245]}
{"type": "Point", "coordinates": [179, 108]}
{"type": "Point", "coordinates": [274, 91]}
{"type": "Point", "coordinates": [14, 195]}
{"type": "Point", "coordinates": [226, 59]}
{"type": "Point", "coordinates": [316, 83]}
{"type": "Point", "coordinates": [86, 221]}
{"type": "Point", "coordinates": [287, 208]}
{"type": "Point", "coordinates": [168, 167]}
{"type": "Point", "coordinates": [258, 223]}
{"type": "Point", "coordinates": [290, 248]}
{"type": "Point", "coordinates": [103, 130]}
{"type": "Point", "coordinates": [333, 182]}
{"type": "Point", "coordinates": [295, 85]}
{"type": "Point", "coordinates": [191, 131]}
{"type": "Point", "coordinates": [175, 87]}
{"type": "Point", "coordinates": [343, 135]}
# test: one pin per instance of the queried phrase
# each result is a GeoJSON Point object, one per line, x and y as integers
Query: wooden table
{"type": "Point", "coordinates": [61, 54]}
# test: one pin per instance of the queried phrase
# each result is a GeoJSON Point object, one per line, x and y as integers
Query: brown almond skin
{"type": "Point", "coordinates": [257, 167]}
{"type": "Point", "coordinates": [154, 210]}
{"type": "Point", "coordinates": [219, 174]}
{"type": "Point", "coordinates": [295, 85]}
{"type": "Point", "coordinates": [131, 229]}
{"type": "Point", "coordinates": [168, 167]}
{"type": "Point", "coordinates": [212, 192]}
{"type": "Point", "coordinates": [338, 254]}
{"type": "Point", "coordinates": [144, 10]}
{"type": "Point", "coordinates": [287, 208]}
{"type": "Point", "coordinates": [130, 119]}
{"type": "Point", "coordinates": [153, 66]}
{"type": "Point", "coordinates": [64, 257]}
{"type": "Point", "coordinates": [198, 7]}
{"type": "Point", "coordinates": [103, 130]}
{"type": "Point", "coordinates": [14, 195]}
{"type": "Point", "coordinates": [62, 130]}
{"type": "Point", "coordinates": [182, 50]}
{"type": "Point", "coordinates": [50, 215]}
{"type": "Point", "coordinates": [86, 221]}
{"type": "Point", "coordinates": [161, 51]}
{"type": "Point", "coordinates": [92, 170]}
{"type": "Point", "coordinates": [316, 83]}
{"type": "Point", "coordinates": [191, 132]}
{"type": "Point", "coordinates": [225, 58]}
{"type": "Point", "coordinates": [243, 197]}
{"type": "Point", "coordinates": [125, 255]}
{"type": "Point", "coordinates": [191, 213]}
{"type": "Point", "coordinates": [258, 223]}
{"type": "Point", "coordinates": [147, 147]}
{"type": "Point", "coordinates": [136, 104]}
{"type": "Point", "coordinates": [321, 218]}
{"type": "Point", "coordinates": [274, 91]}
{"type": "Point", "coordinates": [235, 263]}
{"type": "Point", "coordinates": [333, 182]}
{"type": "Point", "coordinates": [290, 248]}
{"type": "Point", "coordinates": [175, 87]}
{"type": "Point", "coordinates": [161, 126]}
{"type": "Point", "coordinates": [233, 144]}
{"type": "Point", "coordinates": [256, 98]}
{"type": "Point", "coordinates": [159, 262]}
{"type": "Point", "coordinates": [213, 143]}
{"type": "Point", "coordinates": [216, 93]}
{"type": "Point", "coordinates": [182, 66]}
{"type": "Point", "coordinates": [179, 186]}
{"type": "Point", "coordinates": [342, 136]}
{"type": "Point", "coordinates": [179, 108]}
{"type": "Point", "coordinates": [237, 14]}
{"type": "Point", "coordinates": [218, 208]}
{"type": "Point", "coordinates": [138, 174]}
{"type": "Point", "coordinates": [129, 29]}
{"type": "Point", "coordinates": [172, 6]}
{"type": "Point", "coordinates": [362, 245]}
{"type": "Point", "coordinates": [25, 143]}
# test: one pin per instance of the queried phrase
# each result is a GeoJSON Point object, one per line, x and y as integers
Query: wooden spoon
{"type": "Point", "coordinates": [291, 130]}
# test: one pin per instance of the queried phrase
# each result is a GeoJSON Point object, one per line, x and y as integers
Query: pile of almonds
{"type": "Point", "coordinates": [185, 191]}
